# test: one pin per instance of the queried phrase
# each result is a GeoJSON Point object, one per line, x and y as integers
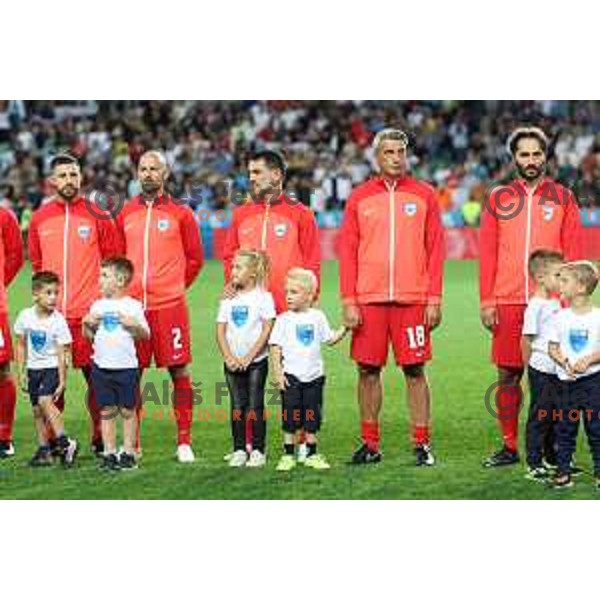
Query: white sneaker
{"type": "Point", "coordinates": [302, 453]}
{"type": "Point", "coordinates": [238, 459]}
{"type": "Point", "coordinates": [257, 459]}
{"type": "Point", "coordinates": [227, 457]}
{"type": "Point", "coordinates": [185, 454]}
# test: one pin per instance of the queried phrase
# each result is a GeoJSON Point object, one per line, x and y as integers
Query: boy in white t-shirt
{"type": "Point", "coordinates": [114, 323]}
{"type": "Point", "coordinates": [43, 339]}
{"type": "Point", "coordinates": [574, 345]}
{"type": "Point", "coordinates": [298, 366]}
{"type": "Point", "coordinates": [244, 324]}
{"type": "Point", "coordinates": [544, 305]}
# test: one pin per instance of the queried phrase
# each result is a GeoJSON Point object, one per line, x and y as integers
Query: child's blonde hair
{"type": "Point", "coordinates": [258, 263]}
{"type": "Point", "coordinates": [585, 273]}
{"type": "Point", "coordinates": [305, 277]}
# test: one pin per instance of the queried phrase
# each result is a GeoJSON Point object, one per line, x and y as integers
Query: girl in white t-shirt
{"type": "Point", "coordinates": [244, 324]}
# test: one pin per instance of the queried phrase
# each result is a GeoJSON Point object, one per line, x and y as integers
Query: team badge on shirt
{"type": "Point", "coordinates": [578, 338]}
{"type": "Point", "coordinates": [84, 232]}
{"type": "Point", "coordinates": [280, 229]}
{"type": "Point", "coordinates": [110, 321]}
{"type": "Point", "coordinates": [305, 334]}
{"type": "Point", "coordinates": [239, 315]}
{"type": "Point", "coordinates": [38, 339]}
{"type": "Point", "coordinates": [547, 212]}
{"type": "Point", "coordinates": [410, 209]}
{"type": "Point", "coordinates": [163, 224]}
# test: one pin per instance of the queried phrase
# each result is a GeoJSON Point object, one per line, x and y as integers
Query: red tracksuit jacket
{"type": "Point", "coordinates": [285, 229]}
{"type": "Point", "coordinates": [11, 253]}
{"type": "Point", "coordinates": [515, 221]}
{"type": "Point", "coordinates": [391, 244]}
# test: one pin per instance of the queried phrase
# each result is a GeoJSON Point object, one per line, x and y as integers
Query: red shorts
{"type": "Point", "coordinates": [169, 341]}
{"type": "Point", "coordinates": [6, 354]}
{"type": "Point", "coordinates": [81, 347]}
{"type": "Point", "coordinates": [506, 340]}
{"type": "Point", "coordinates": [402, 324]}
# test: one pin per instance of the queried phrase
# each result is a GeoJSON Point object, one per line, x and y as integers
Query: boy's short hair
{"type": "Point", "coordinates": [42, 279]}
{"type": "Point", "coordinates": [121, 265]}
{"type": "Point", "coordinates": [540, 259]}
{"type": "Point", "coordinates": [305, 277]}
{"type": "Point", "coordinates": [586, 273]}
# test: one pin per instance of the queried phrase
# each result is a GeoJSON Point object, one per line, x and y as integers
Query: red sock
{"type": "Point", "coordinates": [370, 434]}
{"type": "Point", "coordinates": [182, 403]}
{"type": "Point", "coordinates": [508, 399]}
{"type": "Point", "coordinates": [8, 401]}
{"type": "Point", "coordinates": [421, 435]}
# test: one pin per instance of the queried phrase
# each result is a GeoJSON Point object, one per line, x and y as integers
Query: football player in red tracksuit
{"type": "Point", "coordinates": [531, 212]}
{"type": "Point", "coordinates": [162, 240]}
{"type": "Point", "coordinates": [11, 260]}
{"type": "Point", "coordinates": [69, 239]}
{"type": "Point", "coordinates": [277, 224]}
{"type": "Point", "coordinates": [391, 252]}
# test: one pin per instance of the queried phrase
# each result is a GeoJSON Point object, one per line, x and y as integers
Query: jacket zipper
{"type": "Point", "coordinates": [65, 282]}
{"type": "Point", "coordinates": [392, 261]}
{"type": "Point", "coordinates": [146, 253]}
{"type": "Point", "coordinates": [530, 194]}
{"type": "Point", "coordinates": [263, 239]}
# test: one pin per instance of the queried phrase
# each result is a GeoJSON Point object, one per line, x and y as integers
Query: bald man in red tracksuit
{"type": "Point", "coordinates": [11, 261]}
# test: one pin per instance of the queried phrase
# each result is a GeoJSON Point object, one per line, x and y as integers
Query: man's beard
{"type": "Point", "coordinates": [68, 195]}
{"type": "Point", "coordinates": [534, 172]}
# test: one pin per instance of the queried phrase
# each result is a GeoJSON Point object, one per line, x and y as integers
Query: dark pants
{"type": "Point", "coordinates": [580, 401]}
{"type": "Point", "coordinates": [247, 393]}
{"type": "Point", "coordinates": [302, 404]}
{"type": "Point", "coordinates": [544, 390]}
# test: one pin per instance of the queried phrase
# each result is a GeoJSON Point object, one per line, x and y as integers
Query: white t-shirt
{"type": "Point", "coordinates": [43, 337]}
{"type": "Point", "coordinates": [578, 336]}
{"type": "Point", "coordinates": [538, 322]}
{"type": "Point", "coordinates": [244, 315]}
{"type": "Point", "coordinates": [300, 335]}
{"type": "Point", "coordinates": [114, 346]}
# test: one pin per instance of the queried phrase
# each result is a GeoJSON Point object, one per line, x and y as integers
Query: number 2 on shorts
{"type": "Point", "coordinates": [177, 345]}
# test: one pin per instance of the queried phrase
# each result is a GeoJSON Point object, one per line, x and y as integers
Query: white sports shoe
{"type": "Point", "coordinates": [185, 454]}
{"type": "Point", "coordinates": [227, 457]}
{"type": "Point", "coordinates": [257, 459]}
{"type": "Point", "coordinates": [301, 453]}
{"type": "Point", "coordinates": [238, 459]}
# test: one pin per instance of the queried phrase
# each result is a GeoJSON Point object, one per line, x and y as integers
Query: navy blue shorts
{"type": "Point", "coordinates": [115, 387]}
{"type": "Point", "coordinates": [41, 382]}
{"type": "Point", "coordinates": [302, 405]}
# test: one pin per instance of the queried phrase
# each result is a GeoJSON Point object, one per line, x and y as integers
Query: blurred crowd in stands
{"type": "Point", "coordinates": [459, 146]}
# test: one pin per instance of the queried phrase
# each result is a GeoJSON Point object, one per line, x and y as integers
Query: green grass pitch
{"type": "Point", "coordinates": [463, 430]}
